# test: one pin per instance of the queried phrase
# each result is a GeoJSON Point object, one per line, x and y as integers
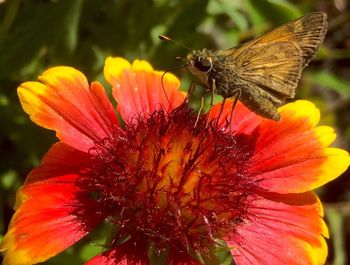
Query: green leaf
{"type": "Point", "coordinates": [336, 225]}
{"type": "Point", "coordinates": [69, 27]}
{"type": "Point", "coordinates": [8, 178]}
{"type": "Point", "coordinates": [238, 18]}
{"type": "Point", "coordinates": [282, 11]}
{"type": "Point", "coordinates": [287, 8]}
{"type": "Point", "coordinates": [231, 9]}
{"type": "Point", "coordinates": [36, 28]}
{"type": "Point", "coordinates": [9, 17]}
{"type": "Point", "coordinates": [88, 251]}
{"type": "Point", "coordinates": [331, 81]}
{"type": "Point", "coordinates": [185, 19]}
{"type": "Point", "coordinates": [217, 254]}
{"type": "Point", "coordinates": [157, 256]}
{"type": "Point", "coordinates": [254, 13]}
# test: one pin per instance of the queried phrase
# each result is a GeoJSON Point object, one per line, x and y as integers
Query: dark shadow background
{"type": "Point", "coordinates": [37, 34]}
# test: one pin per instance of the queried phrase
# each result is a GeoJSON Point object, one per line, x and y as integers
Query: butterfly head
{"type": "Point", "coordinates": [200, 63]}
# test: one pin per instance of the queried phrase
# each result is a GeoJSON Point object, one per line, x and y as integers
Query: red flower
{"type": "Point", "coordinates": [173, 192]}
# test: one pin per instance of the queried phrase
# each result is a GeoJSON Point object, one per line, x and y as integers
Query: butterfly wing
{"type": "Point", "coordinates": [266, 74]}
{"type": "Point", "coordinates": [307, 33]}
{"type": "Point", "coordinates": [275, 60]}
{"type": "Point", "coordinates": [275, 67]}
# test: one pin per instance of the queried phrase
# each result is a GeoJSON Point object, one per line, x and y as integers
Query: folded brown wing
{"type": "Point", "coordinates": [306, 32]}
{"type": "Point", "coordinates": [275, 67]}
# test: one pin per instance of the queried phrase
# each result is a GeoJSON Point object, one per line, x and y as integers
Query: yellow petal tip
{"type": "Point", "coordinates": [325, 135]}
{"type": "Point", "coordinates": [302, 108]}
{"type": "Point", "coordinates": [338, 160]}
{"type": "Point", "coordinates": [141, 65]}
{"type": "Point", "coordinates": [56, 75]}
{"type": "Point", "coordinates": [114, 67]}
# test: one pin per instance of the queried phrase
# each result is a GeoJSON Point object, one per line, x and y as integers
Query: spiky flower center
{"type": "Point", "coordinates": [170, 182]}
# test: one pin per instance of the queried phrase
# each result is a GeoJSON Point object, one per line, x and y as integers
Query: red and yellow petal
{"type": "Point", "coordinates": [292, 155]}
{"type": "Point", "coordinates": [112, 257]}
{"type": "Point", "coordinates": [64, 102]}
{"type": "Point", "coordinates": [139, 89]}
{"type": "Point", "coordinates": [282, 229]}
{"type": "Point", "coordinates": [108, 258]}
{"type": "Point", "coordinates": [124, 254]}
{"type": "Point", "coordinates": [244, 121]}
{"type": "Point", "coordinates": [52, 210]}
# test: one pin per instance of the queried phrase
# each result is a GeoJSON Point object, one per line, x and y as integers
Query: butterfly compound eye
{"type": "Point", "coordinates": [203, 64]}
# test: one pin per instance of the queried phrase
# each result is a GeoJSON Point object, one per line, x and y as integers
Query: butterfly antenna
{"type": "Point", "coordinates": [162, 81]}
{"type": "Point", "coordinates": [166, 95]}
{"type": "Point", "coordinates": [166, 38]}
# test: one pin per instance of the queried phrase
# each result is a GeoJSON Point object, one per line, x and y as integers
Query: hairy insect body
{"type": "Point", "coordinates": [226, 79]}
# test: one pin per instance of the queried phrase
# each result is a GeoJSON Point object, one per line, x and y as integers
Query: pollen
{"type": "Point", "coordinates": [171, 181]}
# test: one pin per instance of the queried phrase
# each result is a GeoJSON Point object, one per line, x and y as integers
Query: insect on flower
{"type": "Point", "coordinates": [263, 72]}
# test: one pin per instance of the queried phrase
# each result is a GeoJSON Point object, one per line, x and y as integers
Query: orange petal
{"type": "Point", "coordinates": [124, 254]}
{"type": "Point", "coordinates": [281, 229]}
{"type": "Point", "coordinates": [52, 211]}
{"type": "Point", "coordinates": [64, 102]}
{"type": "Point", "coordinates": [129, 253]}
{"type": "Point", "coordinates": [110, 258]}
{"type": "Point", "coordinates": [244, 121]}
{"type": "Point", "coordinates": [292, 155]}
{"type": "Point", "coordinates": [138, 88]}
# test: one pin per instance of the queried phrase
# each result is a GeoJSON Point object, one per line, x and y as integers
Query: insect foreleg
{"type": "Point", "coordinates": [234, 103]}
{"type": "Point", "coordinates": [191, 89]}
{"type": "Point", "coordinates": [199, 112]}
{"type": "Point", "coordinates": [212, 90]}
{"type": "Point", "coordinates": [221, 110]}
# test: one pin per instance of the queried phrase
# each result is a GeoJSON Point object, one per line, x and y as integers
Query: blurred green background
{"type": "Point", "coordinates": [37, 34]}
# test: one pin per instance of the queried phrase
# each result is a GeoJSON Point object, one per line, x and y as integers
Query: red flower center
{"type": "Point", "coordinates": [172, 183]}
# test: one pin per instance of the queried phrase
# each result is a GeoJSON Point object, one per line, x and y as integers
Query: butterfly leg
{"type": "Point", "coordinates": [213, 90]}
{"type": "Point", "coordinates": [191, 89]}
{"type": "Point", "coordinates": [199, 112]}
{"type": "Point", "coordinates": [234, 103]}
{"type": "Point", "coordinates": [221, 110]}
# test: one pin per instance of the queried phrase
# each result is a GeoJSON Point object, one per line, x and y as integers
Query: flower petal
{"type": "Point", "coordinates": [64, 102]}
{"type": "Point", "coordinates": [244, 121]}
{"type": "Point", "coordinates": [282, 229]}
{"type": "Point", "coordinates": [52, 210]}
{"type": "Point", "coordinates": [109, 258]}
{"type": "Point", "coordinates": [292, 155]}
{"type": "Point", "coordinates": [124, 254]}
{"type": "Point", "coordinates": [138, 89]}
